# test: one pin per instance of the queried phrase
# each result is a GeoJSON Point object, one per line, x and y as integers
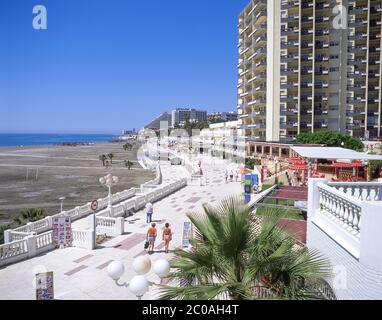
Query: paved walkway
{"type": "Point", "coordinates": [81, 274]}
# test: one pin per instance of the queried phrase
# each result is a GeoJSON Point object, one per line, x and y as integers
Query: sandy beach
{"type": "Point", "coordinates": [35, 177]}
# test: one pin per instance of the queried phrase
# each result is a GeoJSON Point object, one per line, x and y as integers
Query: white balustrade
{"type": "Point", "coordinates": [341, 208]}
{"type": "Point", "coordinates": [44, 241]}
{"type": "Point", "coordinates": [13, 251]}
{"type": "Point", "coordinates": [367, 191]}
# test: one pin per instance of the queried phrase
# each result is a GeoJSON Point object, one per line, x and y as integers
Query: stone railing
{"type": "Point", "coordinates": [370, 191]}
{"type": "Point", "coordinates": [84, 239]}
{"type": "Point", "coordinates": [13, 252]}
{"type": "Point", "coordinates": [110, 226]}
{"type": "Point", "coordinates": [348, 214]}
{"type": "Point", "coordinates": [341, 208]}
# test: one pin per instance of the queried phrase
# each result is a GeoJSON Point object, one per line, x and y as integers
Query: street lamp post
{"type": "Point", "coordinates": [139, 285]}
{"type": "Point", "coordinates": [108, 181]}
{"type": "Point", "coordinates": [61, 199]}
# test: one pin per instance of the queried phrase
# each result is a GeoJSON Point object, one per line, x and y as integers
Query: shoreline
{"type": "Point", "coordinates": [20, 140]}
{"type": "Point", "coordinates": [36, 176]}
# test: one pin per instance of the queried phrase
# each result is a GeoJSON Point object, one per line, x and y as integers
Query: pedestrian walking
{"type": "Point", "coordinates": [231, 176]}
{"type": "Point", "coordinates": [149, 212]}
{"type": "Point", "coordinates": [226, 176]}
{"type": "Point", "coordinates": [167, 236]}
{"type": "Point", "coordinates": [151, 236]}
{"type": "Point", "coordinates": [236, 176]}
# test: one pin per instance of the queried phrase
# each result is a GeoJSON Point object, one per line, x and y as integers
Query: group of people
{"type": "Point", "coordinates": [152, 232]}
{"type": "Point", "coordinates": [232, 174]}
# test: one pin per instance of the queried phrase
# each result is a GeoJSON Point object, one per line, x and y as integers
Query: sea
{"type": "Point", "coordinates": [34, 139]}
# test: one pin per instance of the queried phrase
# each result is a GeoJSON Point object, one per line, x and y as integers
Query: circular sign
{"type": "Point", "coordinates": [94, 205]}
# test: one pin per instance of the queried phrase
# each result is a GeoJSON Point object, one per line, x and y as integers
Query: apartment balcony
{"type": "Point", "coordinates": [306, 71]}
{"type": "Point", "coordinates": [358, 23]}
{"type": "Point", "coordinates": [289, 18]}
{"type": "Point", "coordinates": [289, 31]}
{"type": "Point", "coordinates": [359, 49]}
{"type": "Point", "coordinates": [288, 72]}
{"type": "Point", "coordinates": [354, 126]}
{"type": "Point", "coordinates": [288, 112]}
{"type": "Point", "coordinates": [320, 125]}
{"type": "Point", "coordinates": [319, 85]}
{"type": "Point", "coordinates": [305, 45]}
{"type": "Point", "coordinates": [356, 62]}
{"type": "Point", "coordinates": [289, 58]}
{"type": "Point", "coordinates": [322, 6]}
{"type": "Point", "coordinates": [256, 126]}
{"type": "Point", "coordinates": [256, 114]}
{"type": "Point", "coordinates": [290, 85]}
{"type": "Point", "coordinates": [322, 33]}
{"type": "Point", "coordinates": [355, 114]}
{"type": "Point", "coordinates": [357, 10]}
{"type": "Point", "coordinates": [306, 97]}
{"type": "Point", "coordinates": [307, 5]}
{"type": "Point", "coordinates": [306, 57]}
{"type": "Point", "coordinates": [285, 99]}
{"type": "Point", "coordinates": [287, 125]}
{"type": "Point", "coordinates": [289, 45]}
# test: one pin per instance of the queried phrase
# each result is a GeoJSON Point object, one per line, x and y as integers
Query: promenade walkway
{"type": "Point", "coordinates": [81, 274]}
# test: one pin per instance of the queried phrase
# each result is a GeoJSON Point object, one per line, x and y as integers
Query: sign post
{"type": "Point", "coordinates": [62, 231]}
{"type": "Point", "coordinates": [44, 286]}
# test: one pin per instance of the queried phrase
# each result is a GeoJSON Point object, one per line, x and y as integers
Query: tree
{"type": "Point", "coordinates": [103, 158]}
{"type": "Point", "coordinates": [30, 215]}
{"type": "Point", "coordinates": [128, 164]}
{"type": "Point", "coordinates": [250, 163]}
{"type": "Point", "coordinates": [127, 147]}
{"type": "Point", "coordinates": [110, 156]}
{"type": "Point", "coordinates": [235, 257]}
{"type": "Point", "coordinates": [331, 139]}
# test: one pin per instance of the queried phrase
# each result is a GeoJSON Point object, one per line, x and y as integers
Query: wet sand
{"type": "Point", "coordinates": [35, 177]}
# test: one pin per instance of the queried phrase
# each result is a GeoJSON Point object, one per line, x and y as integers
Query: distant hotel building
{"type": "Point", "coordinates": [297, 73]}
{"type": "Point", "coordinates": [222, 117]}
{"type": "Point", "coordinates": [180, 115]}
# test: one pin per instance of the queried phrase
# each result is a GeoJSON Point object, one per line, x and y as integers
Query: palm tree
{"type": "Point", "coordinates": [127, 146]}
{"type": "Point", "coordinates": [236, 257]}
{"type": "Point", "coordinates": [29, 215]}
{"type": "Point", "coordinates": [103, 158]}
{"type": "Point", "coordinates": [128, 164]}
{"type": "Point", "coordinates": [110, 156]}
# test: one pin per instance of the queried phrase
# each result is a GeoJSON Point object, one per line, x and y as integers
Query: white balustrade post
{"type": "Point", "coordinates": [90, 241]}
{"type": "Point", "coordinates": [314, 196]}
{"type": "Point", "coordinates": [29, 227]}
{"type": "Point", "coordinates": [49, 222]}
{"type": "Point", "coordinates": [7, 236]}
{"type": "Point", "coordinates": [371, 236]}
{"type": "Point", "coordinates": [119, 226]}
{"type": "Point", "coordinates": [32, 246]}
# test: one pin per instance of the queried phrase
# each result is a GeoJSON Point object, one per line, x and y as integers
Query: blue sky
{"type": "Point", "coordinates": [105, 66]}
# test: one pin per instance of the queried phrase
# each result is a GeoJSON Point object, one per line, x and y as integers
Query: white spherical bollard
{"type": "Point", "coordinates": [142, 265]}
{"type": "Point", "coordinates": [138, 286]}
{"type": "Point", "coordinates": [115, 269]}
{"type": "Point", "coordinates": [161, 268]}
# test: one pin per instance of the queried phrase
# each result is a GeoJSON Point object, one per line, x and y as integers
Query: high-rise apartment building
{"type": "Point", "coordinates": [299, 72]}
{"type": "Point", "coordinates": [180, 115]}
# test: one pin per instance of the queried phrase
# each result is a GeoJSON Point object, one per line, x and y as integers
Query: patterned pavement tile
{"type": "Point", "coordinates": [75, 270]}
{"type": "Point", "coordinates": [131, 242]}
{"type": "Point", "coordinates": [104, 265]}
{"type": "Point", "coordinates": [193, 199]}
{"type": "Point", "coordinates": [83, 258]}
